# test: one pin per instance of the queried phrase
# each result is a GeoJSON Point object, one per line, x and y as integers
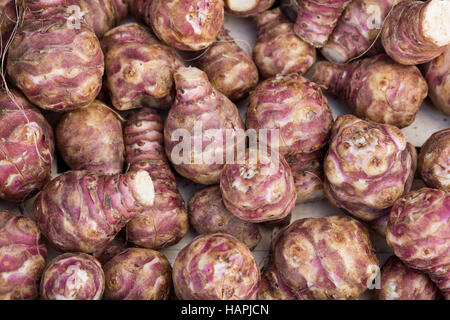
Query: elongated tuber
{"type": "Point", "coordinates": [357, 29]}
{"type": "Point", "coordinates": [208, 214]}
{"type": "Point", "coordinates": [376, 88]}
{"type": "Point", "coordinates": [216, 267]}
{"type": "Point", "coordinates": [26, 148]}
{"type": "Point", "coordinates": [247, 8]}
{"type": "Point", "coordinates": [229, 68]}
{"type": "Point", "coordinates": [138, 274]}
{"type": "Point", "coordinates": [434, 161]}
{"type": "Point", "coordinates": [294, 106]}
{"type": "Point", "coordinates": [98, 145]}
{"type": "Point", "coordinates": [73, 276]}
{"type": "Point", "coordinates": [417, 32]}
{"type": "Point", "coordinates": [260, 189]}
{"type": "Point", "coordinates": [22, 257]}
{"type": "Point", "coordinates": [326, 258]}
{"type": "Point", "coordinates": [419, 231]}
{"type": "Point", "coordinates": [205, 119]}
{"type": "Point", "coordinates": [437, 74]}
{"type": "Point", "coordinates": [189, 26]}
{"type": "Point", "coordinates": [57, 66]}
{"type": "Point", "coordinates": [278, 50]}
{"type": "Point", "coordinates": [166, 223]}
{"type": "Point", "coordinates": [139, 69]}
{"type": "Point", "coordinates": [307, 170]}
{"type": "Point", "coordinates": [316, 19]}
{"type": "Point", "coordinates": [368, 167]}
{"type": "Point", "coordinates": [399, 282]}
{"type": "Point", "coordinates": [81, 211]}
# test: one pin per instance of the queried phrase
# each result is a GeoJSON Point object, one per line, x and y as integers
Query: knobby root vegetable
{"type": "Point", "coordinates": [399, 282]}
{"type": "Point", "coordinates": [139, 69]}
{"type": "Point", "coordinates": [99, 15]}
{"type": "Point", "coordinates": [229, 68]}
{"type": "Point", "coordinates": [247, 8]}
{"type": "Point", "coordinates": [98, 143]}
{"type": "Point", "coordinates": [307, 169]}
{"type": "Point", "coordinates": [120, 10]}
{"type": "Point", "coordinates": [417, 32]}
{"type": "Point", "coordinates": [73, 276]}
{"type": "Point", "coordinates": [434, 161]}
{"type": "Point", "coordinates": [216, 267]}
{"type": "Point", "coordinates": [272, 286]}
{"type": "Point", "coordinates": [419, 233]}
{"type": "Point", "coordinates": [138, 274]}
{"type": "Point", "coordinates": [200, 109]}
{"type": "Point", "coordinates": [207, 214]}
{"type": "Point", "coordinates": [357, 29]}
{"type": "Point", "coordinates": [26, 148]}
{"type": "Point", "coordinates": [376, 88]}
{"type": "Point", "coordinates": [437, 74]}
{"type": "Point", "coordinates": [138, 8]}
{"type": "Point", "coordinates": [57, 66]}
{"type": "Point", "coordinates": [166, 223]}
{"type": "Point", "coordinates": [22, 257]}
{"type": "Point", "coordinates": [8, 19]}
{"type": "Point", "coordinates": [278, 50]}
{"type": "Point", "coordinates": [368, 167]}
{"type": "Point", "coordinates": [316, 19]}
{"type": "Point", "coordinates": [294, 106]}
{"type": "Point", "coordinates": [189, 26]}
{"type": "Point", "coordinates": [105, 254]}
{"type": "Point", "coordinates": [326, 258]}
{"type": "Point", "coordinates": [82, 211]}
{"type": "Point", "coordinates": [260, 188]}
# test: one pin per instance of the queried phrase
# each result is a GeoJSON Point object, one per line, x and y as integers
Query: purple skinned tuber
{"type": "Point", "coordinates": [82, 211]}
{"type": "Point", "coordinates": [138, 274]}
{"type": "Point", "coordinates": [419, 234]}
{"type": "Point", "coordinates": [166, 223]}
{"type": "Point", "coordinates": [73, 276]}
{"type": "Point", "coordinates": [22, 257]}
{"type": "Point", "coordinates": [272, 286]}
{"type": "Point", "coordinates": [216, 267]}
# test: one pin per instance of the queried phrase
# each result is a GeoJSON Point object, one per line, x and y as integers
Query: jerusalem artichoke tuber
{"type": "Point", "coordinates": [247, 8]}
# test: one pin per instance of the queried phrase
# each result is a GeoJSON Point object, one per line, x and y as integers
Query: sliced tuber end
{"type": "Point", "coordinates": [435, 22]}
{"type": "Point", "coordinates": [242, 5]}
{"type": "Point", "coordinates": [142, 185]}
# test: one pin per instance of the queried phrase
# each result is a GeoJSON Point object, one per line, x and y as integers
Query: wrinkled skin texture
{"type": "Point", "coordinates": [326, 258]}
{"type": "Point", "coordinates": [138, 8]}
{"type": "Point", "coordinates": [399, 282]}
{"type": "Point", "coordinates": [357, 29]}
{"type": "Point", "coordinates": [199, 104]}
{"type": "Point", "coordinates": [316, 19]}
{"type": "Point", "coordinates": [91, 139]}
{"type": "Point", "coordinates": [297, 108]}
{"type": "Point", "coordinates": [99, 15]}
{"type": "Point", "coordinates": [404, 34]}
{"type": "Point", "coordinates": [368, 167]}
{"type": "Point", "coordinates": [247, 8]}
{"type": "Point", "coordinates": [207, 214]}
{"type": "Point", "coordinates": [7, 20]}
{"type": "Point", "coordinates": [278, 50]}
{"type": "Point", "coordinates": [120, 10]}
{"type": "Point", "coordinates": [139, 69]}
{"type": "Point", "coordinates": [190, 25]}
{"type": "Point", "coordinates": [261, 189]}
{"type": "Point", "coordinates": [376, 88]}
{"type": "Point", "coordinates": [166, 223]}
{"type": "Point", "coordinates": [216, 267]}
{"type": "Point", "coordinates": [58, 67]}
{"type": "Point", "coordinates": [229, 68]}
{"type": "Point", "coordinates": [105, 254]}
{"type": "Point", "coordinates": [81, 211]}
{"type": "Point", "coordinates": [73, 276]}
{"type": "Point", "coordinates": [419, 233]}
{"type": "Point", "coordinates": [138, 274]}
{"type": "Point", "coordinates": [437, 74]}
{"type": "Point", "coordinates": [272, 286]}
{"type": "Point", "coordinates": [22, 257]}
{"type": "Point", "coordinates": [26, 148]}
{"type": "Point", "coordinates": [434, 161]}
{"type": "Point", "coordinates": [307, 169]}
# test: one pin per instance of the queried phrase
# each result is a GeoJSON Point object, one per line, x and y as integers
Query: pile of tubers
{"type": "Point", "coordinates": [105, 121]}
